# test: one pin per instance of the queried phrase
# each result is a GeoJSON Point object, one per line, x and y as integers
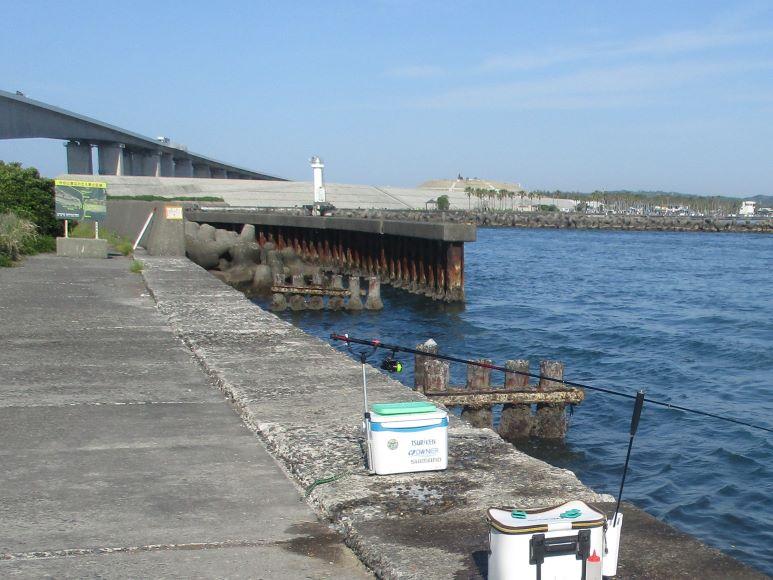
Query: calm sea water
{"type": "Point", "coordinates": [687, 317]}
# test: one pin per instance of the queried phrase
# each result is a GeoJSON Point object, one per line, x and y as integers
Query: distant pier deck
{"type": "Point", "coordinates": [422, 258]}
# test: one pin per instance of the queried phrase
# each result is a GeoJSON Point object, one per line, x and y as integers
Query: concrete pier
{"type": "Point", "coordinates": [119, 456]}
{"type": "Point", "coordinates": [421, 258]}
{"type": "Point", "coordinates": [111, 159]}
{"type": "Point", "coordinates": [152, 164]}
{"type": "Point", "coordinates": [79, 158]}
{"type": "Point", "coordinates": [303, 399]}
{"type": "Point", "coordinates": [201, 170]}
{"type": "Point", "coordinates": [183, 167]}
{"type": "Point", "coordinates": [167, 165]}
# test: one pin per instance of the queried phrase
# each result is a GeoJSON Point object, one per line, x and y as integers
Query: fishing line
{"type": "Point", "coordinates": [376, 344]}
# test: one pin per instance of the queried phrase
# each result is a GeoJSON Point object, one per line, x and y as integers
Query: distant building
{"type": "Point", "coordinates": [747, 208]}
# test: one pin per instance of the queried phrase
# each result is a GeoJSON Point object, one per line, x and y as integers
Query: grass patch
{"type": "Point", "coordinates": [81, 230]}
{"type": "Point", "coordinates": [39, 245]}
{"type": "Point", "coordinates": [86, 230]}
{"type": "Point", "coordinates": [136, 266]}
{"type": "Point", "coordinates": [5, 261]}
{"type": "Point", "coordinates": [160, 198]}
{"type": "Point", "coordinates": [15, 233]}
{"type": "Point", "coordinates": [125, 247]}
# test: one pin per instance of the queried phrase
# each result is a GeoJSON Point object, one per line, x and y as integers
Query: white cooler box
{"type": "Point", "coordinates": [408, 437]}
{"type": "Point", "coordinates": [562, 542]}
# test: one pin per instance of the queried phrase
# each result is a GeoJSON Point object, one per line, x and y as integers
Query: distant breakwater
{"type": "Point", "coordinates": [558, 220]}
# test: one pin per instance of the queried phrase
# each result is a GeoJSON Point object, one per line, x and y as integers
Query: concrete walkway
{"type": "Point", "coordinates": [119, 458]}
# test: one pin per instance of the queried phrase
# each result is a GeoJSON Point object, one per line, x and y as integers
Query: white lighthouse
{"type": "Point", "coordinates": [317, 168]}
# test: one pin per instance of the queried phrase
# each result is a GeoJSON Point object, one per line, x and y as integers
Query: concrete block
{"type": "Point", "coordinates": [81, 248]}
{"type": "Point", "coordinates": [166, 237]}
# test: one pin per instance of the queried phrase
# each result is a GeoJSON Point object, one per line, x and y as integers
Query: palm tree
{"type": "Point", "coordinates": [479, 193]}
{"type": "Point", "coordinates": [501, 193]}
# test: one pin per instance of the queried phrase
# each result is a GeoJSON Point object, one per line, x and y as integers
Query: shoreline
{"type": "Point", "coordinates": [294, 392]}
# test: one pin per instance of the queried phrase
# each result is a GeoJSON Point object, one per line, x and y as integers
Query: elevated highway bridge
{"type": "Point", "coordinates": [120, 152]}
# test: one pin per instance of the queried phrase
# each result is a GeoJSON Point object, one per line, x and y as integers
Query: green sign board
{"type": "Point", "coordinates": [80, 200]}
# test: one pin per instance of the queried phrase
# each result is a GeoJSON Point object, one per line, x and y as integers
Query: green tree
{"type": "Point", "coordinates": [443, 203]}
{"type": "Point", "coordinates": [24, 192]}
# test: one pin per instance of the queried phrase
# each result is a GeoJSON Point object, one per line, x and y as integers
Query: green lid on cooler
{"type": "Point", "coordinates": [403, 408]}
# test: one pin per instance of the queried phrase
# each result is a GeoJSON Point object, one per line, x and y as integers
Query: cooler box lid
{"type": "Point", "coordinates": [403, 408]}
{"type": "Point", "coordinates": [416, 413]}
{"type": "Point", "coordinates": [571, 515]}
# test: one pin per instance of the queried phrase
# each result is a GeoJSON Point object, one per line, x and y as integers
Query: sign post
{"type": "Point", "coordinates": [80, 200]}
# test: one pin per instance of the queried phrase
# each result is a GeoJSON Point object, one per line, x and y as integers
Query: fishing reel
{"type": "Point", "coordinates": [391, 365]}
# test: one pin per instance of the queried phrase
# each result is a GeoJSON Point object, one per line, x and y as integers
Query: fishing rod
{"type": "Point", "coordinates": [634, 426]}
{"type": "Point", "coordinates": [376, 344]}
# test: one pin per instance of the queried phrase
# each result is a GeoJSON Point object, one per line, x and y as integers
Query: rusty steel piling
{"type": "Point", "coordinates": [422, 258]}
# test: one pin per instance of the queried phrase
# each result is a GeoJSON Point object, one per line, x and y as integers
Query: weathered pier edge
{"type": "Point", "coordinates": [422, 258]}
{"type": "Point", "coordinates": [302, 398]}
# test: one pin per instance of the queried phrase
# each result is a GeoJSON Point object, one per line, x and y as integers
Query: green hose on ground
{"type": "Point", "coordinates": [324, 480]}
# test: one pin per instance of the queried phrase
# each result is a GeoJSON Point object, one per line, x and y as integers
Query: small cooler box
{"type": "Point", "coordinates": [561, 542]}
{"type": "Point", "coordinates": [408, 437]}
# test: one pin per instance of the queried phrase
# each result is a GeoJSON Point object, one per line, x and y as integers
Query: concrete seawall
{"type": "Point", "coordinates": [302, 397]}
{"type": "Point", "coordinates": [579, 221]}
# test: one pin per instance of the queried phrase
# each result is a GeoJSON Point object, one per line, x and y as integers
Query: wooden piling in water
{"type": "Point", "coordinates": [517, 421]}
{"type": "Point", "coordinates": [550, 419]}
{"type": "Point", "coordinates": [297, 302]}
{"type": "Point", "coordinates": [420, 363]}
{"type": "Point", "coordinates": [336, 302]}
{"type": "Point", "coordinates": [355, 300]}
{"type": "Point", "coordinates": [478, 379]}
{"type": "Point", "coordinates": [516, 395]}
{"type": "Point", "coordinates": [374, 302]}
{"type": "Point", "coordinates": [278, 300]}
{"type": "Point", "coordinates": [316, 301]}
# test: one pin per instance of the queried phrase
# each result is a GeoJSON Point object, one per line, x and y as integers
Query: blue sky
{"type": "Point", "coordinates": [584, 95]}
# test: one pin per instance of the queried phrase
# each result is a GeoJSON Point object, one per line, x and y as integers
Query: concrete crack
{"type": "Point", "coordinates": [71, 552]}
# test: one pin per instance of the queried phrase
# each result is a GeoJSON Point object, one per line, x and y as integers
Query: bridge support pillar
{"type": "Point", "coordinates": [111, 158]}
{"type": "Point", "coordinates": [183, 168]}
{"type": "Point", "coordinates": [167, 165]}
{"type": "Point", "coordinates": [152, 164]}
{"type": "Point", "coordinates": [138, 163]}
{"type": "Point", "coordinates": [126, 166]}
{"type": "Point", "coordinates": [201, 170]}
{"type": "Point", "coordinates": [217, 172]}
{"type": "Point", "coordinates": [232, 175]}
{"type": "Point", "coordinates": [79, 158]}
